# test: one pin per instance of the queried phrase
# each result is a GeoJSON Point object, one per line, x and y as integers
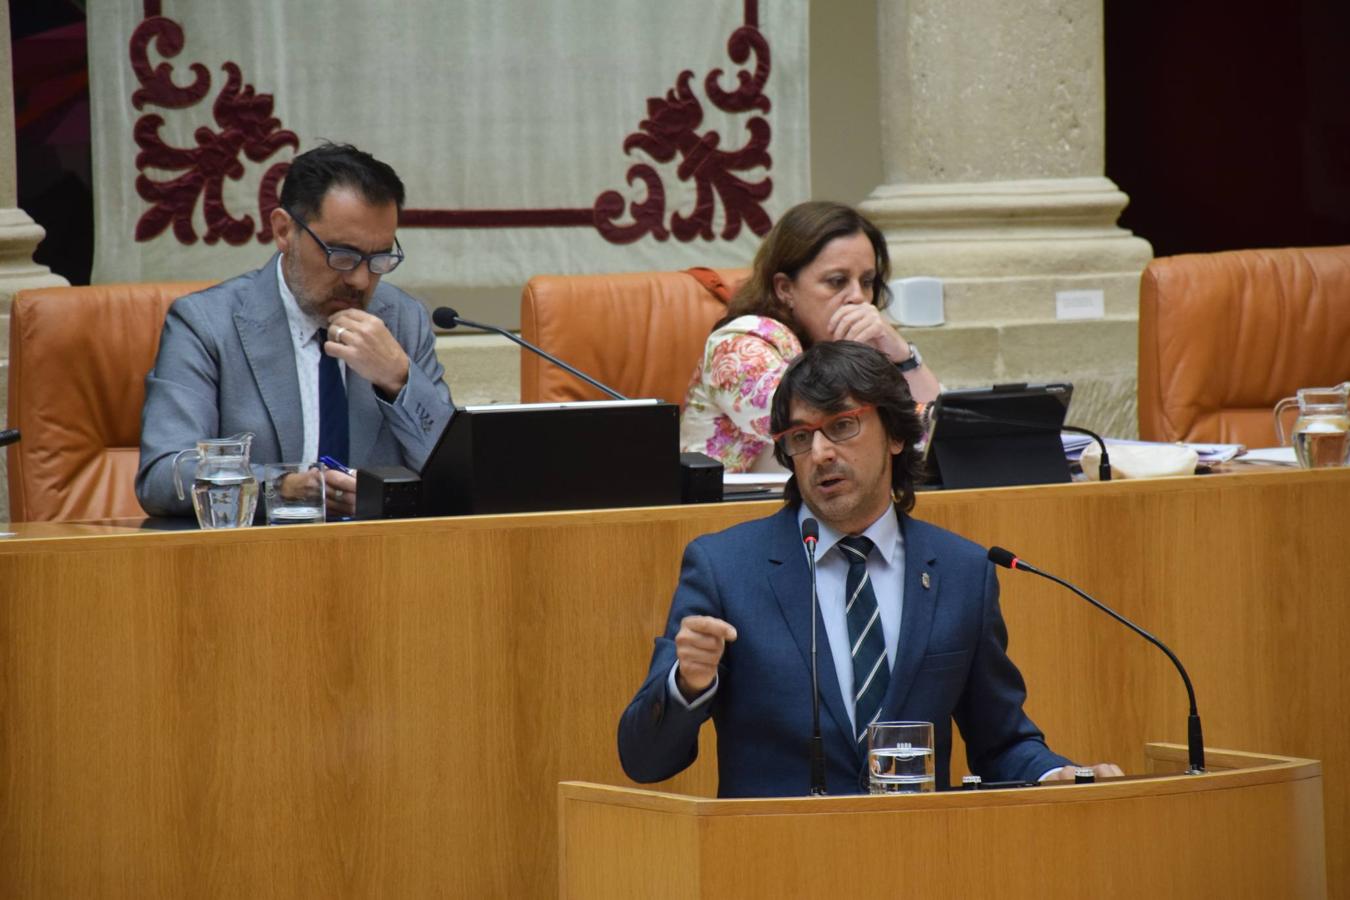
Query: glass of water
{"type": "Point", "coordinates": [294, 493]}
{"type": "Point", "coordinates": [900, 757]}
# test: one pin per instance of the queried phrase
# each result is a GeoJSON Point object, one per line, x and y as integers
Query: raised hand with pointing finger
{"type": "Point", "coordinates": [699, 645]}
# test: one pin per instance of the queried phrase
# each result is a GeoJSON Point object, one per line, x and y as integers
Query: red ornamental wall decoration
{"type": "Point", "coordinates": [670, 131]}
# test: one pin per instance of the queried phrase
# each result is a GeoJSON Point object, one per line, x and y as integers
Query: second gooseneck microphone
{"type": "Point", "coordinates": [446, 317]}
{"type": "Point", "coordinates": [810, 535]}
{"type": "Point", "coordinates": [1195, 742]}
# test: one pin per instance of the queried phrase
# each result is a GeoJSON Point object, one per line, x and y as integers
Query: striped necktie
{"type": "Point", "coordinates": [871, 675]}
{"type": "Point", "coordinates": [334, 438]}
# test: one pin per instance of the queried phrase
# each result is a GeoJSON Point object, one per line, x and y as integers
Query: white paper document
{"type": "Point", "coordinates": [1209, 454]}
{"type": "Point", "coordinates": [1274, 456]}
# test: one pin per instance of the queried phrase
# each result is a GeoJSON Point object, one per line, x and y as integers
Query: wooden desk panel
{"type": "Point", "coordinates": [351, 710]}
{"type": "Point", "coordinates": [385, 708]}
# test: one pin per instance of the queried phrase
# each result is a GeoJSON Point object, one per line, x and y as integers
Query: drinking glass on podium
{"type": "Point", "coordinates": [900, 757]}
{"type": "Point", "coordinates": [294, 493]}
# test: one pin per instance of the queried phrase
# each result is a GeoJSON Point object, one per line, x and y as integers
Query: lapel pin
{"type": "Point", "coordinates": [925, 581]}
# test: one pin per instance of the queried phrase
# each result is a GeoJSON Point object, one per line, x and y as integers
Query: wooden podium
{"type": "Point", "coordinates": [1249, 827]}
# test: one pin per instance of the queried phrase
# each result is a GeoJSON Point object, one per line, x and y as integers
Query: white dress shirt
{"type": "Point", "coordinates": [885, 569]}
{"type": "Point", "coordinates": [308, 351]}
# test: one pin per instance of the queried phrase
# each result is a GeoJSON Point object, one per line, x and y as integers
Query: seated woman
{"type": "Point", "coordinates": [820, 275]}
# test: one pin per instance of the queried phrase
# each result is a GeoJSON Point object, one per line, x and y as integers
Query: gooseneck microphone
{"type": "Point", "coordinates": [1104, 464]}
{"type": "Point", "coordinates": [445, 317]}
{"type": "Point", "coordinates": [810, 535]}
{"type": "Point", "coordinates": [9, 436]}
{"type": "Point", "coordinates": [1195, 742]}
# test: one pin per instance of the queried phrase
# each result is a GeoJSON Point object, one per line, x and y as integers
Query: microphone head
{"type": "Point", "coordinates": [810, 530]}
{"type": "Point", "coordinates": [8, 436]}
{"type": "Point", "coordinates": [1000, 557]}
{"type": "Point", "coordinates": [445, 317]}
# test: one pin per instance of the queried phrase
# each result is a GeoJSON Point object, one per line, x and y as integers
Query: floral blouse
{"type": "Point", "coordinates": [726, 412]}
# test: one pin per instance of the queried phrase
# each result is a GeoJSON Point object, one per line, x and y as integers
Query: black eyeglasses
{"type": "Point", "coordinates": [838, 428]}
{"type": "Point", "coordinates": [345, 259]}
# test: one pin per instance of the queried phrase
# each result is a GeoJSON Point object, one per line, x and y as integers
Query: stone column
{"type": "Point", "coordinates": [993, 137]}
{"type": "Point", "coordinates": [19, 236]}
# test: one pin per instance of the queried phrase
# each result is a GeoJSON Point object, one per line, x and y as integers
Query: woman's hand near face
{"type": "Point", "coordinates": [864, 323]}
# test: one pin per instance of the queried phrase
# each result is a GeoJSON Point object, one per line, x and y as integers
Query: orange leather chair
{"type": "Point", "coordinates": [641, 333]}
{"type": "Point", "coordinates": [1224, 336]}
{"type": "Point", "coordinates": [77, 363]}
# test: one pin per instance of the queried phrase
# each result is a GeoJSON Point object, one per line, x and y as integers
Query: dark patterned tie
{"type": "Point", "coordinates": [334, 439]}
{"type": "Point", "coordinates": [871, 675]}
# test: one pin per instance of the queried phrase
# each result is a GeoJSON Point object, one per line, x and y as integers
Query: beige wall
{"type": "Point", "coordinates": [845, 100]}
{"type": "Point", "coordinates": [993, 148]}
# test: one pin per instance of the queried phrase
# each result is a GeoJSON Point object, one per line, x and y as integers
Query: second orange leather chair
{"type": "Point", "coordinates": [640, 333]}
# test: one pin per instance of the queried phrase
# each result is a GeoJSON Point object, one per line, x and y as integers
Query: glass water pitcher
{"type": "Point", "coordinates": [1321, 433]}
{"type": "Point", "coordinates": [224, 491]}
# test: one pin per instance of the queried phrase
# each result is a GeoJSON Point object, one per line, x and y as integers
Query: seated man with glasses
{"type": "Point", "coordinates": [909, 621]}
{"type": "Point", "coordinates": [311, 353]}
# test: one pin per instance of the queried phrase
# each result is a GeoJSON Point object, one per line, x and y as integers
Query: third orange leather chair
{"type": "Point", "coordinates": [1223, 336]}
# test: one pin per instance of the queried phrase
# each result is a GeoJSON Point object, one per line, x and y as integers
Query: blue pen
{"type": "Point", "coordinates": [334, 464]}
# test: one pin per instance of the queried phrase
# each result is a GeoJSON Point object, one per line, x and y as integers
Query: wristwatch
{"type": "Point", "coordinates": [914, 361]}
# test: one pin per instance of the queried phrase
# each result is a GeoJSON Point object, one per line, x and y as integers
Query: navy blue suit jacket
{"type": "Point", "coordinates": [952, 663]}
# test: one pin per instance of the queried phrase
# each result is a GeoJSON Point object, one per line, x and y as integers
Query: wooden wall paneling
{"type": "Point", "coordinates": [384, 708]}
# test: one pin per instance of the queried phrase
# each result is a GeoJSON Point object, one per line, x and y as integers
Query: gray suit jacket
{"type": "Point", "coordinates": [226, 365]}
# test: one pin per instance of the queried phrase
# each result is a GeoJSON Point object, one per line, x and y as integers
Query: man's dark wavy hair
{"type": "Point", "coordinates": [315, 172]}
{"type": "Point", "coordinates": [835, 375]}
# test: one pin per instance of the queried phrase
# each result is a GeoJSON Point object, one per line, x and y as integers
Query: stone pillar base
{"type": "Point", "coordinates": [1012, 232]}
{"type": "Point", "coordinates": [19, 237]}
{"type": "Point", "coordinates": [1003, 250]}
{"type": "Point", "coordinates": [1099, 357]}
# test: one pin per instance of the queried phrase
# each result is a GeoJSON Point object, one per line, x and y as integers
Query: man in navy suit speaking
{"type": "Point", "coordinates": [910, 627]}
